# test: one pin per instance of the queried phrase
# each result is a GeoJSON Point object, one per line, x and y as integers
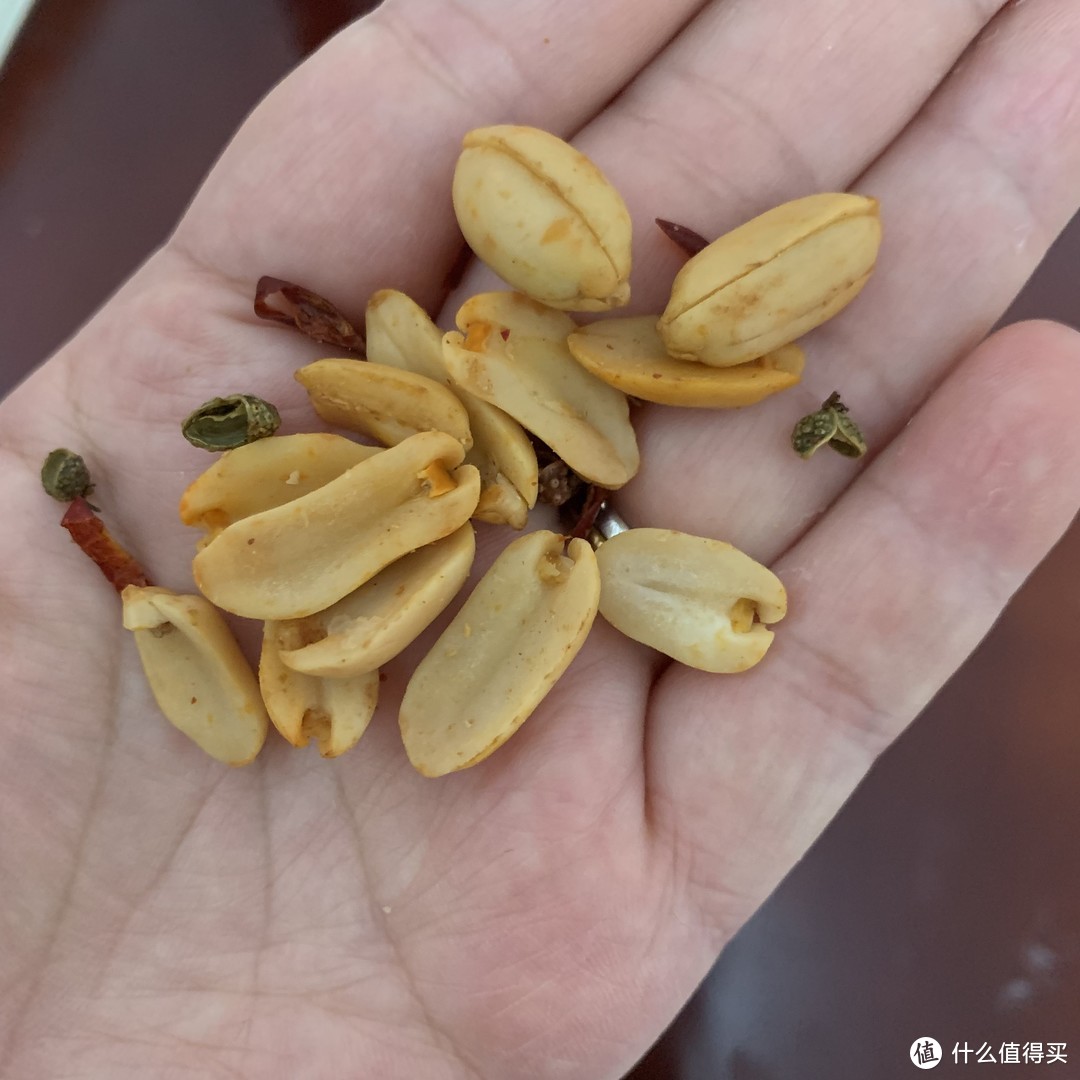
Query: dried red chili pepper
{"type": "Point", "coordinates": [690, 241]}
{"type": "Point", "coordinates": [89, 532]}
{"type": "Point", "coordinates": [586, 516]}
{"type": "Point", "coordinates": [283, 302]}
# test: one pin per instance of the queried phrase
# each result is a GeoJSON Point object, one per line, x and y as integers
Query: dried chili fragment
{"type": "Point", "coordinates": [89, 532]}
{"type": "Point", "coordinates": [313, 315]}
{"type": "Point", "coordinates": [690, 241]}
{"type": "Point", "coordinates": [591, 505]}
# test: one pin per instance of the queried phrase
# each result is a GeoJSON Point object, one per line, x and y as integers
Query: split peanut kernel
{"type": "Point", "coordinates": [544, 218]}
{"type": "Point", "coordinates": [196, 671]}
{"type": "Point", "coordinates": [333, 712]}
{"type": "Point", "coordinates": [385, 403]}
{"type": "Point", "coordinates": [386, 614]}
{"type": "Point", "coordinates": [267, 473]}
{"type": "Point", "coordinates": [700, 601]}
{"type": "Point", "coordinates": [629, 354]}
{"type": "Point", "coordinates": [505, 649]}
{"type": "Point", "coordinates": [772, 280]}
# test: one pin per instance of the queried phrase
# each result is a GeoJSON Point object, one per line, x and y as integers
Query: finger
{"type": "Point", "coordinates": [971, 194]}
{"type": "Point", "coordinates": [341, 178]}
{"type": "Point", "coordinates": [888, 593]}
{"type": "Point", "coordinates": [759, 103]}
{"type": "Point", "coordinates": [756, 103]}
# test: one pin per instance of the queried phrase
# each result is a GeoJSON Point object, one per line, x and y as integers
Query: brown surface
{"type": "Point", "coordinates": [944, 900]}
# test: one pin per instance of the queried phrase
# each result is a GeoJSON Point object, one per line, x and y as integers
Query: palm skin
{"type": "Point", "coordinates": [546, 913]}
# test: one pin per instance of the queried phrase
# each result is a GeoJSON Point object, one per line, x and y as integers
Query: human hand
{"type": "Point", "coordinates": [548, 911]}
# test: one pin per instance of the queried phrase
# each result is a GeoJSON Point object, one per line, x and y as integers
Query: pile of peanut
{"type": "Point", "coordinates": [346, 552]}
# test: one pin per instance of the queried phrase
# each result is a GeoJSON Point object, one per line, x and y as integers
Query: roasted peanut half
{"type": "Point", "coordinates": [699, 601]}
{"type": "Point", "coordinates": [386, 403]}
{"type": "Point", "coordinates": [629, 354]}
{"type": "Point", "coordinates": [400, 334]}
{"type": "Point", "coordinates": [197, 673]}
{"type": "Point", "coordinates": [544, 218]}
{"type": "Point", "coordinates": [516, 634]}
{"type": "Point", "coordinates": [772, 280]}
{"type": "Point", "coordinates": [333, 712]}
{"type": "Point", "coordinates": [512, 352]}
{"type": "Point", "coordinates": [299, 558]}
{"type": "Point", "coordinates": [506, 460]}
{"type": "Point", "coordinates": [267, 473]}
{"type": "Point", "coordinates": [372, 625]}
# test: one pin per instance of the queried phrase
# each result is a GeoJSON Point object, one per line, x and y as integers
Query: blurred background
{"type": "Point", "coordinates": [943, 901]}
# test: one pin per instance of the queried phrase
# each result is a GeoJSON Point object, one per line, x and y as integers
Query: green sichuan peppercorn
{"type": "Point", "coordinates": [64, 475]}
{"type": "Point", "coordinates": [831, 424]}
{"type": "Point", "coordinates": [224, 423]}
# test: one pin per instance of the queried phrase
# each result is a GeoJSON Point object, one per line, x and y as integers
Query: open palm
{"type": "Point", "coordinates": [546, 913]}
